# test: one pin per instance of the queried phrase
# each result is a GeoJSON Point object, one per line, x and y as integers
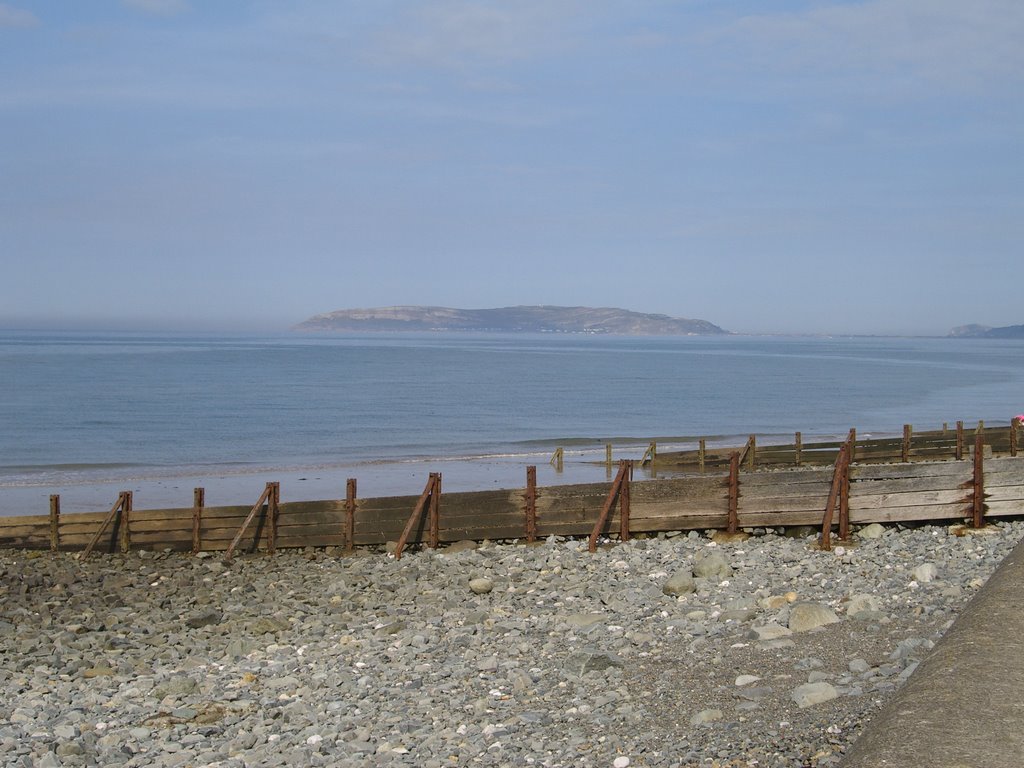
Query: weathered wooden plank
{"type": "Point", "coordinates": [1001, 463]}
{"type": "Point", "coordinates": [688, 522]}
{"type": "Point", "coordinates": [1013, 476]}
{"type": "Point", "coordinates": [896, 471]}
{"type": "Point", "coordinates": [681, 491]}
{"type": "Point", "coordinates": [579, 490]}
{"type": "Point", "coordinates": [445, 514]}
{"type": "Point", "coordinates": [18, 531]}
{"type": "Point", "coordinates": [312, 529]}
{"type": "Point", "coordinates": [80, 541]}
{"type": "Point", "coordinates": [1008, 493]}
{"type": "Point", "coordinates": [566, 529]}
{"type": "Point", "coordinates": [810, 502]}
{"type": "Point", "coordinates": [307, 516]}
{"type": "Point", "coordinates": [158, 539]}
{"type": "Point", "coordinates": [667, 510]}
{"type": "Point", "coordinates": [912, 484]}
{"type": "Point", "coordinates": [470, 532]}
{"type": "Point", "coordinates": [494, 516]}
{"type": "Point", "coordinates": [18, 521]}
{"type": "Point", "coordinates": [30, 541]}
{"type": "Point", "coordinates": [69, 528]}
{"type": "Point", "coordinates": [221, 539]}
{"type": "Point", "coordinates": [171, 526]}
{"type": "Point", "coordinates": [173, 513]}
{"type": "Point", "coordinates": [85, 517]}
{"type": "Point", "coordinates": [319, 540]}
{"type": "Point", "coordinates": [161, 515]}
{"type": "Point", "coordinates": [785, 477]}
{"type": "Point", "coordinates": [909, 514]}
{"type": "Point", "coordinates": [996, 508]}
{"type": "Point", "coordinates": [920, 498]}
{"type": "Point", "coordinates": [784, 519]}
{"type": "Point", "coordinates": [766, 494]}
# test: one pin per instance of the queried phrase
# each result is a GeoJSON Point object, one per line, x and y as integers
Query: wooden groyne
{"type": "Point", "coordinates": [948, 475]}
{"type": "Point", "coordinates": [950, 442]}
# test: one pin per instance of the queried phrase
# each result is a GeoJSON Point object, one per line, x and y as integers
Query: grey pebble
{"type": "Point", "coordinates": [314, 658]}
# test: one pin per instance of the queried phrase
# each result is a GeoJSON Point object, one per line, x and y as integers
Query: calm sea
{"type": "Point", "coordinates": [86, 415]}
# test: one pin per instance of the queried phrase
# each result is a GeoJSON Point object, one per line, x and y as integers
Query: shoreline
{"type": "Point", "coordinates": [237, 485]}
{"type": "Point", "coordinates": [380, 479]}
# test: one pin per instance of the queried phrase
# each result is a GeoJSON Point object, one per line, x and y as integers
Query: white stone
{"type": "Point", "coordinates": [743, 680]}
{"type": "Point", "coordinates": [863, 602]}
{"type": "Point", "coordinates": [481, 586]}
{"type": "Point", "coordinates": [809, 694]}
{"type": "Point", "coordinates": [621, 762]}
{"type": "Point", "coordinates": [711, 565]}
{"type": "Point", "coordinates": [770, 631]}
{"type": "Point", "coordinates": [706, 716]}
{"type": "Point", "coordinates": [679, 584]}
{"type": "Point", "coordinates": [807, 616]}
{"type": "Point", "coordinates": [925, 573]}
{"type": "Point", "coordinates": [873, 531]}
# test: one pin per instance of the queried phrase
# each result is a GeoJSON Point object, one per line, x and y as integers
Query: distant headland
{"type": "Point", "coordinates": [524, 319]}
{"type": "Point", "coordinates": [987, 332]}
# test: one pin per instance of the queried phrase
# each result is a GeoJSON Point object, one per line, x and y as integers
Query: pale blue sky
{"type": "Point", "coordinates": [837, 167]}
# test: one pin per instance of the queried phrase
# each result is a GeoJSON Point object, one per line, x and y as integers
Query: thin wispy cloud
{"type": "Point", "coordinates": [16, 17]}
{"type": "Point", "coordinates": [157, 7]}
{"type": "Point", "coordinates": [930, 42]}
{"type": "Point", "coordinates": [460, 33]}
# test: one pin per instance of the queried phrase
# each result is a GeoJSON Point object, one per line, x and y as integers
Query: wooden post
{"type": "Point", "coordinates": [433, 481]}
{"type": "Point", "coordinates": [54, 522]}
{"type": "Point", "coordinates": [751, 454]}
{"type": "Point", "coordinates": [273, 499]}
{"type": "Point", "coordinates": [126, 513]}
{"type": "Point", "coordinates": [557, 458]}
{"type": "Point", "coordinates": [908, 430]}
{"type": "Point", "coordinates": [198, 502]}
{"type": "Point", "coordinates": [608, 455]}
{"type": "Point", "coordinates": [614, 494]}
{"type": "Point", "coordinates": [959, 441]}
{"type": "Point", "coordinates": [838, 475]}
{"type": "Point", "coordinates": [700, 455]}
{"type": "Point", "coordinates": [852, 440]}
{"type": "Point", "coordinates": [264, 497]}
{"type": "Point", "coordinates": [650, 454]}
{"type": "Point", "coordinates": [978, 502]}
{"type": "Point", "coordinates": [1014, 426]}
{"type": "Point", "coordinates": [350, 514]}
{"type": "Point", "coordinates": [945, 428]}
{"type": "Point", "coordinates": [798, 445]}
{"type": "Point", "coordinates": [531, 502]}
{"type": "Point", "coordinates": [435, 512]}
{"type": "Point", "coordinates": [624, 502]}
{"type": "Point", "coordinates": [733, 524]}
{"type": "Point", "coordinates": [844, 498]}
{"type": "Point", "coordinates": [118, 505]}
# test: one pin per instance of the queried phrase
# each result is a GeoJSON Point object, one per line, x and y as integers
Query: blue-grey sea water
{"type": "Point", "coordinates": [86, 414]}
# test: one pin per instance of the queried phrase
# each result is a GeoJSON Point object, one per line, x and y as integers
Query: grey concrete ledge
{"type": "Point", "coordinates": [964, 705]}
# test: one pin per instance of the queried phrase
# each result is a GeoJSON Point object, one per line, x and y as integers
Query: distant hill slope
{"type": "Point", "coordinates": [985, 332]}
{"type": "Point", "coordinates": [541, 319]}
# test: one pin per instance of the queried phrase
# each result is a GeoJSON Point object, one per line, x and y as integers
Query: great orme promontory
{"type": "Point", "coordinates": [525, 319]}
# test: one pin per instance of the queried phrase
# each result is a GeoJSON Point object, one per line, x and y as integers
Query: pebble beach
{"type": "Point", "coordinates": [675, 650]}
